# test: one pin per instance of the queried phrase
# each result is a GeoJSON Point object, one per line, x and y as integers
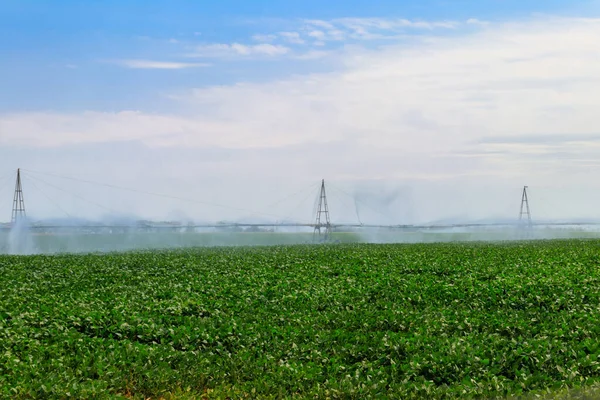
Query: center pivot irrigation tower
{"type": "Point", "coordinates": [18, 211]}
{"type": "Point", "coordinates": [525, 208]}
{"type": "Point", "coordinates": [322, 220]}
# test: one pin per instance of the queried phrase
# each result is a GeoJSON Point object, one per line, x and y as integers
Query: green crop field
{"type": "Point", "coordinates": [341, 321]}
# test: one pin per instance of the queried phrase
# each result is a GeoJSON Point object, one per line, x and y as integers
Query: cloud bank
{"type": "Point", "coordinates": [150, 64]}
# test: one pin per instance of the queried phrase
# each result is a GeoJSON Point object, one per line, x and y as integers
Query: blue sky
{"type": "Point", "coordinates": [418, 97]}
{"type": "Point", "coordinates": [55, 53]}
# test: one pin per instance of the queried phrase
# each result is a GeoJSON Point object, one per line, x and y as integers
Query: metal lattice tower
{"type": "Point", "coordinates": [525, 208]}
{"type": "Point", "coordinates": [322, 219]}
{"type": "Point", "coordinates": [18, 211]}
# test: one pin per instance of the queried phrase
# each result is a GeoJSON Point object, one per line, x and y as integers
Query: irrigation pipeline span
{"type": "Point", "coordinates": [249, 226]}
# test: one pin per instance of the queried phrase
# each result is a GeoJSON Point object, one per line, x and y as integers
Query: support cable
{"type": "Point", "coordinates": [300, 204]}
{"type": "Point", "coordinates": [72, 194]}
{"type": "Point", "coordinates": [32, 183]}
{"type": "Point", "coordinates": [7, 179]}
{"type": "Point", "coordinates": [311, 187]}
{"type": "Point", "coordinates": [6, 182]}
{"type": "Point", "coordinates": [356, 209]}
{"type": "Point", "coordinates": [155, 194]}
{"type": "Point", "coordinates": [339, 199]}
{"type": "Point", "coordinates": [356, 200]}
{"type": "Point", "coordinates": [6, 176]}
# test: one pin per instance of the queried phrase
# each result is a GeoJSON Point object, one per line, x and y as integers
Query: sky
{"type": "Point", "coordinates": [412, 111]}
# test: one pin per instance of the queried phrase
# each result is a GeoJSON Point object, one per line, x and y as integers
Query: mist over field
{"type": "Point", "coordinates": [360, 212]}
{"type": "Point", "coordinates": [25, 241]}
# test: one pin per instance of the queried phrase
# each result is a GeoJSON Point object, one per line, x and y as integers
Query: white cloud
{"type": "Point", "coordinates": [391, 24]}
{"type": "Point", "coordinates": [265, 38]}
{"type": "Point", "coordinates": [429, 107]}
{"type": "Point", "coordinates": [370, 28]}
{"type": "Point", "coordinates": [46, 129]}
{"type": "Point", "coordinates": [237, 49]}
{"type": "Point", "coordinates": [336, 34]}
{"type": "Point", "coordinates": [292, 37]}
{"type": "Point", "coordinates": [319, 23]}
{"type": "Point", "coordinates": [312, 55]}
{"type": "Point", "coordinates": [151, 64]}
{"type": "Point", "coordinates": [316, 34]}
{"type": "Point", "coordinates": [475, 21]}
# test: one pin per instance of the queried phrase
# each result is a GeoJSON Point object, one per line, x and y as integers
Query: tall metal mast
{"type": "Point", "coordinates": [18, 211]}
{"type": "Point", "coordinates": [525, 208]}
{"type": "Point", "coordinates": [322, 219]}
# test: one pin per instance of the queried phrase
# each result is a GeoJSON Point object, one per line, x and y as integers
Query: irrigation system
{"type": "Point", "coordinates": [322, 226]}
